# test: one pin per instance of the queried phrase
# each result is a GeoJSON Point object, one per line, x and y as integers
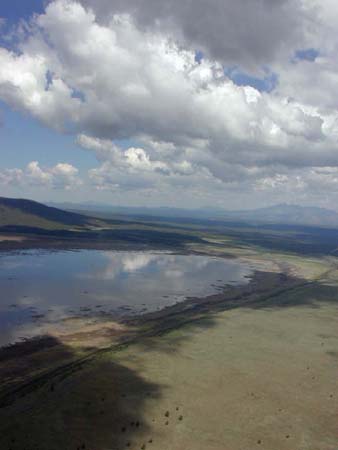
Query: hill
{"type": "Point", "coordinates": [50, 227]}
{"type": "Point", "coordinates": [22, 212]}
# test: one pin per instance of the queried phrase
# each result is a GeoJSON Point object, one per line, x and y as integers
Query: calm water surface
{"type": "Point", "coordinates": [46, 287]}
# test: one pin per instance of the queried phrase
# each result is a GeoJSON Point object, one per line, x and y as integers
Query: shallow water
{"type": "Point", "coordinates": [46, 287]}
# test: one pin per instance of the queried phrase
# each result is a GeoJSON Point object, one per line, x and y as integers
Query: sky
{"type": "Point", "coordinates": [170, 102]}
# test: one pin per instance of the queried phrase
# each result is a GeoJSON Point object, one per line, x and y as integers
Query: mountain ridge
{"type": "Point", "coordinates": [19, 211]}
{"type": "Point", "coordinates": [283, 214]}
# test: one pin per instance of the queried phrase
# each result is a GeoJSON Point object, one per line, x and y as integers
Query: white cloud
{"type": "Point", "coordinates": [115, 80]}
{"type": "Point", "coordinates": [114, 72]}
{"type": "Point", "coordinates": [316, 183]}
{"type": "Point", "coordinates": [61, 176]}
{"type": "Point", "coordinates": [36, 176]}
{"type": "Point", "coordinates": [11, 177]}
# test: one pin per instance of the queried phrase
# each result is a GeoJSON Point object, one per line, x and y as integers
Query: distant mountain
{"type": "Point", "coordinates": [289, 215]}
{"type": "Point", "coordinates": [135, 211]}
{"type": "Point", "coordinates": [282, 214]}
{"type": "Point", "coordinates": [30, 213]}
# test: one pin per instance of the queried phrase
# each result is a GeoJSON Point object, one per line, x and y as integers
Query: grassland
{"type": "Point", "coordinates": [10, 216]}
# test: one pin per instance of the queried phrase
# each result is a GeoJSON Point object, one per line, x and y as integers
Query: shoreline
{"type": "Point", "coordinates": [102, 317]}
{"type": "Point", "coordinates": [228, 295]}
{"type": "Point", "coordinates": [262, 286]}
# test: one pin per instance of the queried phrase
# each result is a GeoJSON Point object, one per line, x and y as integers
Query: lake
{"type": "Point", "coordinates": [39, 287]}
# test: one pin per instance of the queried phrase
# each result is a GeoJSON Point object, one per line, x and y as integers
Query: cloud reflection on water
{"type": "Point", "coordinates": [41, 287]}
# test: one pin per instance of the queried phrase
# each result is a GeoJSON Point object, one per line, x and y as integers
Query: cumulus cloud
{"type": "Point", "coordinates": [116, 80]}
{"type": "Point", "coordinates": [61, 176]}
{"type": "Point", "coordinates": [318, 185]}
{"type": "Point", "coordinates": [111, 71]}
{"type": "Point", "coordinates": [249, 33]}
{"type": "Point", "coordinates": [136, 168]}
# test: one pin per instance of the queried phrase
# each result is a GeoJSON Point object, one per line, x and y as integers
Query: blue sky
{"type": "Point", "coordinates": [263, 84]}
{"type": "Point", "coordinates": [307, 54]}
{"type": "Point", "coordinates": [14, 10]}
{"type": "Point", "coordinates": [24, 139]}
